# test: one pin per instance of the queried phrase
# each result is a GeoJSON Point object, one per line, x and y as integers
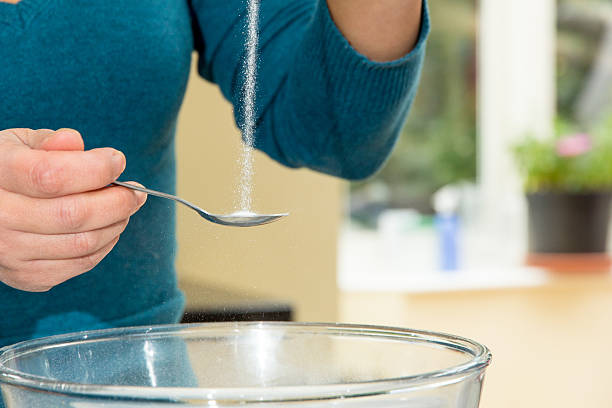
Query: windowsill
{"type": "Point", "coordinates": [371, 262]}
{"type": "Point", "coordinates": [438, 281]}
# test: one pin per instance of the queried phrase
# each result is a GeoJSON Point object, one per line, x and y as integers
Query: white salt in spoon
{"type": "Point", "coordinates": [237, 219]}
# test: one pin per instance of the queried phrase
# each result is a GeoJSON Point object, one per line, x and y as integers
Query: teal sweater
{"type": "Point", "coordinates": [116, 70]}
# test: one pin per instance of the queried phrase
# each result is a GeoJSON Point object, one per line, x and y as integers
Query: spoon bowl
{"type": "Point", "coordinates": [246, 219]}
{"type": "Point", "coordinates": [236, 219]}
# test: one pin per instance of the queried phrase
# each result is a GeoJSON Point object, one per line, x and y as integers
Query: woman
{"type": "Point", "coordinates": [113, 73]}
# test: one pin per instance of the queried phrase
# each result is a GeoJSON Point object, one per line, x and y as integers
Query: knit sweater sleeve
{"type": "Point", "coordinates": [320, 104]}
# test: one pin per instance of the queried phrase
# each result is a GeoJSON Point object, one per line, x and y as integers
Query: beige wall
{"type": "Point", "coordinates": [294, 259]}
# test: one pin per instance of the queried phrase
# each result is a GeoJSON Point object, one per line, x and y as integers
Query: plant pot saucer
{"type": "Point", "coordinates": [571, 262]}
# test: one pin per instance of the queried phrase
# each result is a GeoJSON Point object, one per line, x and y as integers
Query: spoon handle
{"type": "Point", "coordinates": [158, 194]}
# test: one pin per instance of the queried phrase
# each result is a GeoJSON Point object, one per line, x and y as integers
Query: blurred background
{"type": "Point", "coordinates": [440, 238]}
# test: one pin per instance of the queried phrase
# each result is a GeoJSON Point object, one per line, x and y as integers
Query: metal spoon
{"type": "Point", "coordinates": [237, 219]}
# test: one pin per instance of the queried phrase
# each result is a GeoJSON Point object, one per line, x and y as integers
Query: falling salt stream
{"type": "Point", "coordinates": [243, 216]}
{"type": "Point", "coordinates": [248, 101]}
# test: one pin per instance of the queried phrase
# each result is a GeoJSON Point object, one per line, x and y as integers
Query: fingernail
{"type": "Point", "coordinates": [142, 197]}
{"type": "Point", "coordinates": [118, 160]}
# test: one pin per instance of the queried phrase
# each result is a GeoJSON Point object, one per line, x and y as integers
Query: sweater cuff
{"type": "Point", "coordinates": [338, 43]}
{"type": "Point", "coordinates": [376, 78]}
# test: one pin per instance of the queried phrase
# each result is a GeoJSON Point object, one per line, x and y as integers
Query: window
{"type": "Point", "coordinates": [438, 143]}
{"type": "Point", "coordinates": [493, 74]}
{"type": "Point", "coordinates": [584, 62]}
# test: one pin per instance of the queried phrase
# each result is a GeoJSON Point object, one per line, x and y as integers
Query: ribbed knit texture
{"type": "Point", "coordinates": [320, 104]}
{"type": "Point", "coordinates": [116, 70]}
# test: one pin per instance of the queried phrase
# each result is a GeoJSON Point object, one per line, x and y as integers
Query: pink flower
{"type": "Point", "coordinates": [574, 145]}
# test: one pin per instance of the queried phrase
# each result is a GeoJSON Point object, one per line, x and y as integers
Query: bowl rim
{"type": "Point", "coordinates": [480, 359]}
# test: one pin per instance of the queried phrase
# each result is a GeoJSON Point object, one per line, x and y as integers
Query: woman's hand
{"type": "Point", "coordinates": [57, 219]}
{"type": "Point", "coordinates": [382, 30]}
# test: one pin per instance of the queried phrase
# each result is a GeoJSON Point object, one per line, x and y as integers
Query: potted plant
{"type": "Point", "coordinates": [567, 181]}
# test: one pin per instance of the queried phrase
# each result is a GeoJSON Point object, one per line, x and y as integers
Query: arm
{"type": "Point", "coordinates": [382, 30]}
{"type": "Point", "coordinates": [320, 103]}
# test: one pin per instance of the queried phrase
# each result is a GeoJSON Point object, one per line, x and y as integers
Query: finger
{"type": "Point", "coordinates": [70, 214]}
{"type": "Point", "coordinates": [33, 247]}
{"type": "Point", "coordinates": [62, 139]}
{"type": "Point", "coordinates": [39, 173]}
{"type": "Point", "coordinates": [42, 275]}
{"type": "Point", "coordinates": [47, 139]}
{"type": "Point", "coordinates": [32, 138]}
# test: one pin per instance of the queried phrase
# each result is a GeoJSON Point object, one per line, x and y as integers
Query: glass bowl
{"type": "Point", "coordinates": [249, 363]}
